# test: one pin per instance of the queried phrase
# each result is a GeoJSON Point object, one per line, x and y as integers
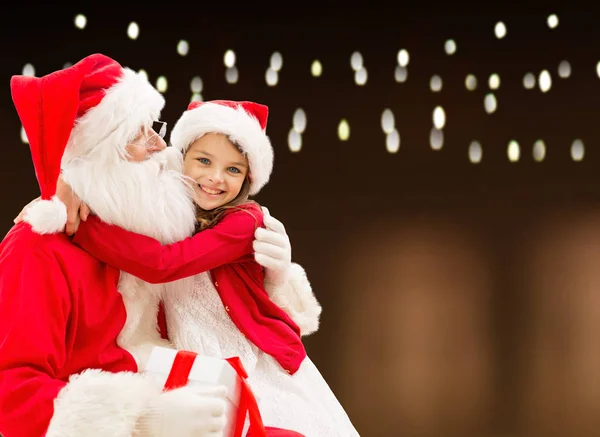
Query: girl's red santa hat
{"type": "Point", "coordinates": [88, 111]}
{"type": "Point", "coordinates": [244, 123]}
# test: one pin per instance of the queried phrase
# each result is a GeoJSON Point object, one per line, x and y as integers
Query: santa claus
{"type": "Point", "coordinates": [68, 366]}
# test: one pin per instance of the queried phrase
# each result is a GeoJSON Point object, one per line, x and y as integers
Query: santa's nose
{"type": "Point", "coordinates": [158, 145]}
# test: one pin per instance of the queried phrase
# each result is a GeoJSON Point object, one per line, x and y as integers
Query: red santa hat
{"type": "Point", "coordinates": [91, 111]}
{"type": "Point", "coordinates": [244, 123]}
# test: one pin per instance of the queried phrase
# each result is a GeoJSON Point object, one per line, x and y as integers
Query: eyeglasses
{"type": "Point", "coordinates": [160, 130]}
{"type": "Point", "coordinates": [160, 127]}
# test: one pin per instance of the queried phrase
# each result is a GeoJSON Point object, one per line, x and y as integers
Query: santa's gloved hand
{"type": "Point", "coordinates": [184, 412]}
{"type": "Point", "coordinates": [273, 250]}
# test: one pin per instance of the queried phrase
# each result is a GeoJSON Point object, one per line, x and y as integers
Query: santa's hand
{"type": "Point", "coordinates": [273, 250]}
{"type": "Point", "coordinates": [19, 218]}
{"type": "Point", "coordinates": [185, 412]}
{"type": "Point", "coordinates": [76, 209]}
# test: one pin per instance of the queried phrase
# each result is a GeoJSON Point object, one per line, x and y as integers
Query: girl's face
{"type": "Point", "coordinates": [218, 169]}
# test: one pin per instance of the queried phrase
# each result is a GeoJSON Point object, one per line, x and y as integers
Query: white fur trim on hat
{"type": "Point", "coordinates": [242, 128]}
{"type": "Point", "coordinates": [46, 216]}
{"type": "Point", "coordinates": [106, 129]}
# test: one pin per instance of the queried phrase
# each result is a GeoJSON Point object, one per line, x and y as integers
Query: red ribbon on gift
{"type": "Point", "coordinates": [179, 375]}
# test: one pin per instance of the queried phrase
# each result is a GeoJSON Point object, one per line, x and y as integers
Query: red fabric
{"type": "Point", "coordinates": [162, 321]}
{"type": "Point", "coordinates": [256, 110]}
{"type": "Point", "coordinates": [226, 251]}
{"type": "Point", "coordinates": [236, 363]}
{"type": "Point", "coordinates": [48, 107]}
{"type": "Point", "coordinates": [247, 404]}
{"type": "Point", "coordinates": [180, 370]}
{"type": "Point", "coordinates": [60, 313]}
{"type": "Point", "coordinates": [277, 432]}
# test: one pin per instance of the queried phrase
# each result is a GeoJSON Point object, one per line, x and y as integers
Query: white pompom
{"type": "Point", "coordinates": [47, 216]}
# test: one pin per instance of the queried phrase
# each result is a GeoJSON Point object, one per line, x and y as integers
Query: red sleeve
{"type": "Point", "coordinates": [147, 259]}
{"type": "Point", "coordinates": [34, 310]}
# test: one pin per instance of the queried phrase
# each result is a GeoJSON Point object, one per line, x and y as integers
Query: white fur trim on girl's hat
{"type": "Point", "coordinates": [243, 122]}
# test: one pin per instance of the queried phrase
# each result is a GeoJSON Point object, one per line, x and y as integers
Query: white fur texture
{"type": "Point", "coordinates": [143, 197]}
{"type": "Point", "coordinates": [46, 216]}
{"type": "Point", "coordinates": [297, 299]}
{"type": "Point", "coordinates": [242, 128]}
{"type": "Point", "coordinates": [173, 159]}
{"type": "Point", "coordinates": [140, 333]}
{"type": "Point", "coordinates": [100, 404]}
{"type": "Point", "coordinates": [104, 131]}
{"type": "Point", "coordinates": [147, 198]}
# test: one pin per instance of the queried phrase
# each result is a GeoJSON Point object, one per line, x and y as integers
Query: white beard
{"type": "Point", "coordinates": [149, 198]}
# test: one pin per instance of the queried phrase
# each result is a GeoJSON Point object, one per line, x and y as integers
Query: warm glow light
{"type": "Point", "coordinates": [475, 152]}
{"type": "Point", "coordinates": [392, 141]}
{"type": "Point", "coordinates": [450, 47]}
{"type": "Point", "coordinates": [229, 58]}
{"type": "Point", "coordinates": [500, 30]}
{"type": "Point", "coordinates": [299, 120]}
{"type": "Point", "coordinates": [80, 21]}
{"type": "Point", "coordinates": [387, 121]}
{"type": "Point", "coordinates": [344, 130]}
{"type": "Point", "coordinates": [439, 117]}
{"type": "Point", "coordinates": [316, 69]}
{"type": "Point", "coordinates": [403, 58]}
{"type": "Point", "coordinates": [514, 151]}
{"type": "Point", "coordinates": [133, 30]}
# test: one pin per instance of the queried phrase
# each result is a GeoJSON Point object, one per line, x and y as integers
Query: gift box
{"type": "Point", "coordinates": [174, 369]}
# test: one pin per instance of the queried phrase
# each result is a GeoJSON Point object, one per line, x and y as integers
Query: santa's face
{"type": "Point", "coordinates": [147, 197]}
{"type": "Point", "coordinates": [217, 170]}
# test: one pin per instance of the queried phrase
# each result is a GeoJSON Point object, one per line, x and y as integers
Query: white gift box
{"type": "Point", "coordinates": [207, 372]}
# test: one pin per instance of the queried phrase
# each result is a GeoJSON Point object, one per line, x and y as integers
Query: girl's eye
{"type": "Point", "coordinates": [234, 170]}
{"type": "Point", "coordinates": [204, 160]}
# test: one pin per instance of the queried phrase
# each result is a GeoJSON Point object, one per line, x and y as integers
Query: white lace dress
{"type": "Point", "coordinates": [302, 402]}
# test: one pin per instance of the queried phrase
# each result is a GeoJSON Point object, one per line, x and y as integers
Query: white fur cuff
{"type": "Point", "coordinates": [101, 404]}
{"type": "Point", "coordinates": [297, 299]}
{"type": "Point", "coordinates": [46, 216]}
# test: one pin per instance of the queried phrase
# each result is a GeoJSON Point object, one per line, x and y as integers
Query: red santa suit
{"type": "Point", "coordinates": [61, 314]}
{"type": "Point", "coordinates": [62, 372]}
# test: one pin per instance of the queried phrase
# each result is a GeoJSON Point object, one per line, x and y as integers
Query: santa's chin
{"type": "Point", "coordinates": [148, 197]}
